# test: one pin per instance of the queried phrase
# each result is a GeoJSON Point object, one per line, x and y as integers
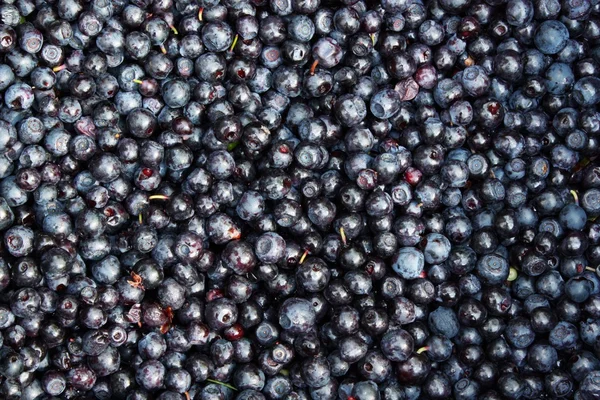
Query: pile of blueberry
{"type": "Point", "coordinates": [299, 199]}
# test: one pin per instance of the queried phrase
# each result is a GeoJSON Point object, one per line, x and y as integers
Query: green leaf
{"type": "Point", "coordinates": [227, 385]}
{"type": "Point", "coordinates": [232, 146]}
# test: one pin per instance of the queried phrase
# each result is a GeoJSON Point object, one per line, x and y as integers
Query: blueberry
{"type": "Point", "coordinates": [350, 110]}
{"type": "Point", "coordinates": [542, 357]}
{"type": "Point", "coordinates": [385, 104]}
{"type": "Point", "coordinates": [151, 375]}
{"type": "Point", "coordinates": [296, 315]}
{"type": "Point", "coordinates": [409, 263]}
{"type": "Point", "coordinates": [586, 91]}
{"type": "Point", "coordinates": [444, 322]}
{"type": "Point", "coordinates": [328, 52]}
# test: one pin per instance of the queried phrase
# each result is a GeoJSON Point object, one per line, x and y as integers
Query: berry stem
{"type": "Point", "coordinates": [303, 256]}
{"type": "Point", "coordinates": [158, 197]}
{"type": "Point", "coordinates": [575, 196]}
{"type": "Point", "coordinates": [313, 67]}
{"type": "Point", "coordinates": [343, 235]}
{"type": "Point", "coordinates": [235, 40]}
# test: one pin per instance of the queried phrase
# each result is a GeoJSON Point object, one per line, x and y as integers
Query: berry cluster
{"type": "Point", "coordinates": [299, 199]}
